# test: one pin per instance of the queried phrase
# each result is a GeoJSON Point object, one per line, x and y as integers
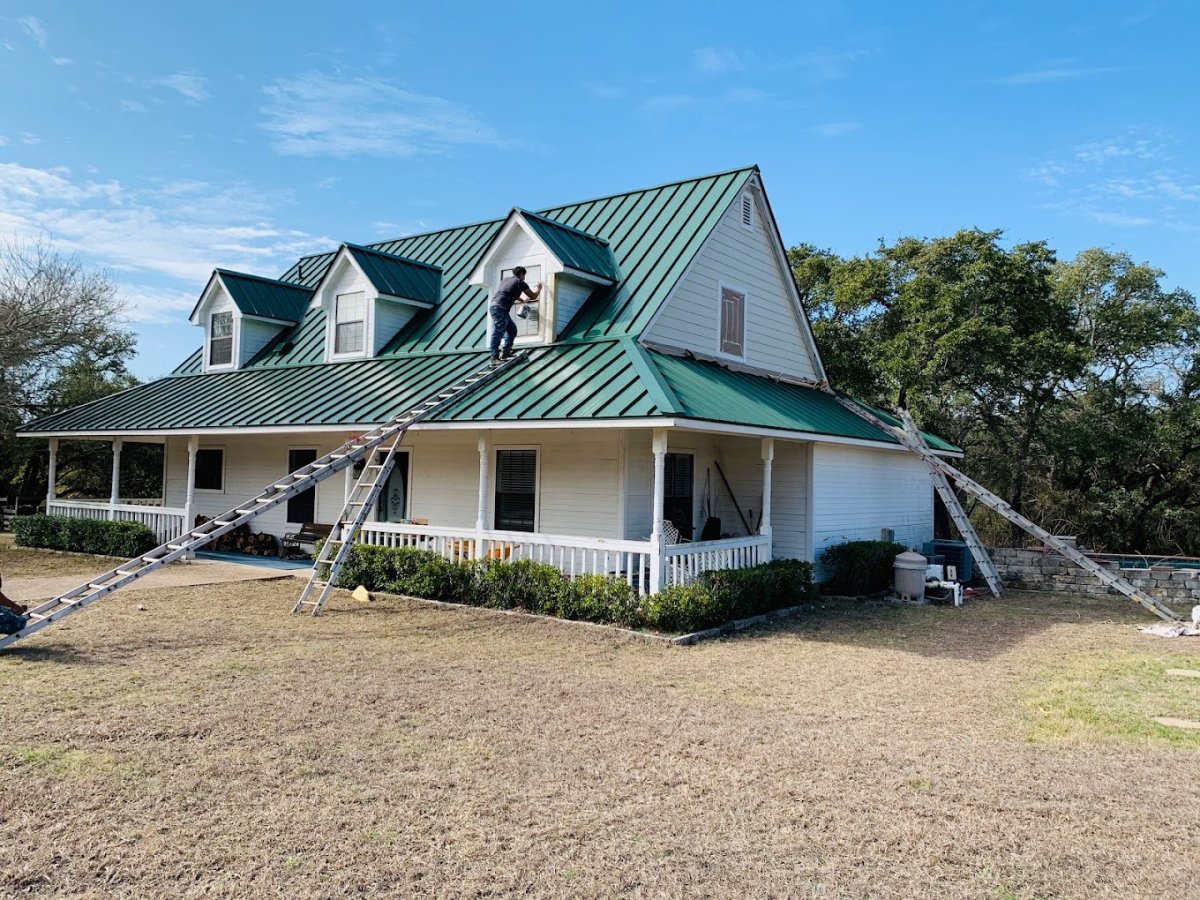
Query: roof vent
{"type": "Point", "coordinates": [747, 211]}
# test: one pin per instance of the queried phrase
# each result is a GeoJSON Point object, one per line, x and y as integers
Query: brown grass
{"type": "Point", "coordinates": [214, 746]}
{"type": "Point", "coordinates": [22, 562]}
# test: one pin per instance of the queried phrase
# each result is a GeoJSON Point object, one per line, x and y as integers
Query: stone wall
{"type": "Point", "coordinates": [1045, 570]}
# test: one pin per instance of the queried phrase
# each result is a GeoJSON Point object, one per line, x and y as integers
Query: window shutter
{"type": "Point", "coordinates": [733, 322]}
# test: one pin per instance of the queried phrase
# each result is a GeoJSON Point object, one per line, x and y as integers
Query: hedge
{"type": "Point", "coordinates": [714, 598]}
{"type": "Point", "coordinates": [860, 567]}
{"type": "Point", "coordinates": [125, 539]}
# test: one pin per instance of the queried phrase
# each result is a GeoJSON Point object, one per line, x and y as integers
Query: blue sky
{"type": "Point", "coordinates": [162, 140]}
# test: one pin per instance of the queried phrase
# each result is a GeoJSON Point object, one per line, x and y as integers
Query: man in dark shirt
{"type": "Point", "coordinates": [503, 327]}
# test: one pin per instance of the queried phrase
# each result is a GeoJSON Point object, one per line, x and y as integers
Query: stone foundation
{"type": "Point", "coordinates": [1045, 570]}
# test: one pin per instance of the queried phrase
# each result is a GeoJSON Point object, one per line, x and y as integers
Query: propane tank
{"type": "Point", "coordinates": [910, 569]}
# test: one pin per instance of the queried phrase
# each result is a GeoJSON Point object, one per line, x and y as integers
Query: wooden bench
{"type": "Point", "coordinates": [309, 533]}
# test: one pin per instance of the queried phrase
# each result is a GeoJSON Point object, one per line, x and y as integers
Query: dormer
{"type": "Point", "coordinates": [570, 263]}
{"type": "Point", "coordinates": [240, 314]}
{"type": "Point", "coordinates": [369, 296]}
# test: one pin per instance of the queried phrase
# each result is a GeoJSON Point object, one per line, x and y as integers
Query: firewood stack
{"type": "Point", "coordinates": [241, 540]}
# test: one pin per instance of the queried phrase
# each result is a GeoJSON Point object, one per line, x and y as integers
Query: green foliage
{"type": "Point", "coordinates": [1072, 386]}
{"type": "Point", "coordinates": [856, 568]}
{"type": "Point", "coordinates": [717, 597]}
{"type": "Point", "coordinates": [125, 539]}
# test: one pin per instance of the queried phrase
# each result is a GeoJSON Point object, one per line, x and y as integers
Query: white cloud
{"type": "Point", "coordinates": [61, 61]}
{"type": "Point", "coordinates": [30, 139]}
{"type": "Point", "coordinates": [835, 129]}
{"type": "Point", "coordinates": [1057, 71]}
{"type": "Point", "coordinates": [135, 106]}
{"type": "Point", "coordinates": [190, 84]}
{"type": "Point", "coordinates": [604, 91]}
{"type": "Point", "coordinates": [162, 239]}
{"type": "Point", "coordinates": [669, 103]}
{"type": "Point", "coordinates": [35, 29]}
{"type": "Point", "coordinates": [714, 62]}
{"type": "Point", "coordinates": [1131, 180]}
{"type": "Point", "coordinates": [322, 115]}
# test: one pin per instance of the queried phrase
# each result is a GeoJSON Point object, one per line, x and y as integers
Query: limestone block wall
{"type": "Point", "coordinates": [1045, 570]}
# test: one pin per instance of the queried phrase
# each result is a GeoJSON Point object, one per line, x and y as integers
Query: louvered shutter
{"type": "Point", "coordinates": [733, 322]}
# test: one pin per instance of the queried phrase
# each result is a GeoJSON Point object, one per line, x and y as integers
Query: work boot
{"type": "Point", "coordinates": [496, 361]}
{"type": "Point", "coordinates": [507, 354]}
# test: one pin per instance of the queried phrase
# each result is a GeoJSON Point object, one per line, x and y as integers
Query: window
{"type": "Point", "coordinates": [350, 323]}
{"type": "Point", "coordinates": [210, 469]}
{"type": "Point", "coordinates": [529, 325]}
{"type": "Point", "coordinates": [733, 322]}
{"type": "Point", "coordinates": [220, 339]}
{"type": "Point", "coordinates": [516, 489]}
{"type": "Point", "coordinates": [747, 211]}
{"type": "Point", "coordinates": [303, 507]}
{"type": "Point", "coordinates": [678, 498]}
{"type": "Point", "coordinates": [393, 501]}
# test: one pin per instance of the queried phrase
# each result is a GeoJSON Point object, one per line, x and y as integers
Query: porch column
{"type": "Point", "coordinates": [657, 548]}
{"type": "Point", "coordinates": [52, 476]}
{"type": "Point", "coordinates": [189, 504]}
{"type": "Point", "coordinates": [116, 478]}
{"type": "Point", "coordinates": [347, 483]}
{"type": "Point", "coordinates": [481, 516]}
{"type": "Point", "coordinates": [768, 455]}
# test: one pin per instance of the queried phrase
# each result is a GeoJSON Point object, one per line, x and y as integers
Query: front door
{"type": "Point", "coordinates": [303, 507]}
{"type": "Point", "coordinates": [393, 501]}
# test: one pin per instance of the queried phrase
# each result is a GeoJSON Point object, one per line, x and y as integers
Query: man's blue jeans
{"type": "Point", "coordinates": [502, 327]}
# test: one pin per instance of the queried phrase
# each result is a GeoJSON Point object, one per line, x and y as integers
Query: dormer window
{"type": "Point", "coordinates": [351, 319]}
{"type": "Point", "coordinates": [220, 339]}
{"type": "Point", "coordinates": [571, 264]}
{"type": "Point", "coordinates": [369, 297]}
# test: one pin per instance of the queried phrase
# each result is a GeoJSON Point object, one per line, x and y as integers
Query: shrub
{"type": "Point", "coordinates": [716, 597]}
{"type": "Point", "coordinates": [860, 567]}
{"type": "Point", "coordinates": [126, 539]}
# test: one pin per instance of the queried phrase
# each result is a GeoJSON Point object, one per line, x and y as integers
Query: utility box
{"type": "Point", "coordinates": [955, 553]}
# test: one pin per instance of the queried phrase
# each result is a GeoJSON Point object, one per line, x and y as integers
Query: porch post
{"type": "Point", "coordinates": [347, 483]}
{"type": "Point", "coordinates": [52, 476]}
{"type": "Point", "coordinates": [657, 548]}
{"type": "Point", "coordinates": [768, 455]}
{"type": "Point", "coordinates": [116, 478]}
{"type": "Point", "coordinates": [481, 522]}
{"type": "Point", "coordinates": [189, 505]}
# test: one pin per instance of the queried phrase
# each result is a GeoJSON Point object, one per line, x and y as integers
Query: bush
{"type": "Point", "coordinates": [125, 539]}
{"type": "Point", "coordinates": [860, 567]}
{"type": "Point", "coordinates": [715, 598]}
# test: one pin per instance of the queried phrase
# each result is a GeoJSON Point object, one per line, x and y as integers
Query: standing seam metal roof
{"type": "Point", "coordinates": [574, 248]}
{"type": "Point", "coordinates": [397, 276]}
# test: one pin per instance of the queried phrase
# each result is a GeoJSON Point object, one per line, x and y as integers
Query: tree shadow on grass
{"type": "Point", "coordinates": [983, 628]}
{"type": "Point", "coordinates": [61, 654]}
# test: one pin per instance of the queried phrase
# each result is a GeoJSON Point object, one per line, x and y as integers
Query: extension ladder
{"type": "Point", "coordinates": [272, 496]}
{"type": "Point", "coordinates": [1000, 507]}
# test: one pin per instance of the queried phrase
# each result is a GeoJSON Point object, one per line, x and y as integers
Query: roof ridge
{"type": "Point", "coordinates": [542, 213]}
{"type": "Point", "coordinates": [395, 257]}
{"type": "Point", "coordinates": [287, 284]}
{"type": "Point", "coordinates": [564, 226]}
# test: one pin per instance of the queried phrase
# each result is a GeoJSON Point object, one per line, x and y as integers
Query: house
{"type": "Point", "coordinates": [672, 379]}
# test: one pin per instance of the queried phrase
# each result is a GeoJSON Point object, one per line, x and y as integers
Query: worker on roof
{"type": "Point", "coordinates": [504, 329]}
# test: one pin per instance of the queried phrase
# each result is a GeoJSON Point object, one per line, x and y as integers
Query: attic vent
{"type": "Point", "coordinates": [747, 211]}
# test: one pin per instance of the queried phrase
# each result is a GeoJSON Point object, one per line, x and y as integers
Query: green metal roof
{"type": "Point", "coordinates": [574, 248]}
{"type": "Point", "coordinates": [398, 277]}
{"type": "Point", "coordinates": [265, 297]}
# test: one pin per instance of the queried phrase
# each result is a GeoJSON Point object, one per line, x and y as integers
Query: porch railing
{"type": "Point", "coordinates": [683, 562]}
{"type": "Point", "coordinates": [166, 522]}
{"type": "Point", "coordinates": [627, 560]}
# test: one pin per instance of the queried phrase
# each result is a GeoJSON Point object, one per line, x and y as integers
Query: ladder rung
{"type": "Point", "coordinates": [97, 585]}
{"type": "Point", "coordinates": [124, 572]}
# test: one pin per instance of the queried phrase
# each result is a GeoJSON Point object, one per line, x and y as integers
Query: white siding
{"type": "Point", "coordinates": [858, 492]}
{"type": "Point", "coordinates": [389, 317]}
{"type": "Point", "coordinates": [789, 501]}
{"type": "Point", "coordinates": [255, 336]}
{"type": "Point", "coordinates": [569, 297]}
{"type": "Point", "coordinates": [743, 258]}
{"type": "Point", "coordinates": [639, 485]}
{"type": "Point", "coordinates": [577, 493]}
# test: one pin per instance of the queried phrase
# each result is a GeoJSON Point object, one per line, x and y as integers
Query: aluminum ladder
{"type": "Point", "coordinates": [272, 496]}
{"type": "Point", "coordinates": [993, 502]}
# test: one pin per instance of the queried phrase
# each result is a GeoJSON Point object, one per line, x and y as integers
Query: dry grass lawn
{"type": "Point", "coordinates": [22, 562]}
{"type": "Point", "coordinates": [213, 746]}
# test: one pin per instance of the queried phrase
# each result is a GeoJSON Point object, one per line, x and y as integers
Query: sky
{"type": "Point", "coordinates": [161, 140]}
